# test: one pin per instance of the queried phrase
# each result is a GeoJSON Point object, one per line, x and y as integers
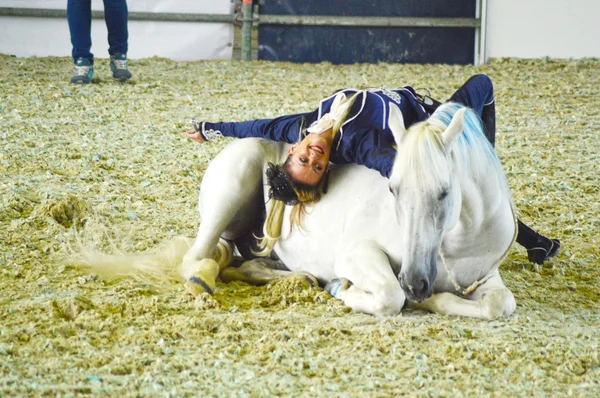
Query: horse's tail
{"type": "Point", "coordinates": [155, 267]}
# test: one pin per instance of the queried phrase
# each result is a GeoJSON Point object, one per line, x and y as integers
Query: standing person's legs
{"type": "Point", "coordinates": [79, 16]}
{"type": "Point", "coordinates": [115, 15]}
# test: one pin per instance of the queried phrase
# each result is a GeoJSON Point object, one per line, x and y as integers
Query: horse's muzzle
{"type": "Point", "coordinates": [417, 287]}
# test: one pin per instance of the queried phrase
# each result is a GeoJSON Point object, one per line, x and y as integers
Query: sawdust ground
{"type": "Point", "coordinates": [114, 158]}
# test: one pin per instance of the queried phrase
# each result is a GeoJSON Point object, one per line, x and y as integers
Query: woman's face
{"type": "Point", "coordinates": [309, 159]}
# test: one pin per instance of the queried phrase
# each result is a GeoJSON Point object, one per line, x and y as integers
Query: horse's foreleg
{"type": "Point", "coordinates": [230, 202]}
{"type": "Point", "coordinates": [261, 271]}
{"type": "Point", "coordinates": [210, 253]}
{"type": "Point", "coordinates": [200, 269]}
{"type": "Point", "coordinates": [368, 283]}
{"type": "Point", "coordinates": [489, 301]}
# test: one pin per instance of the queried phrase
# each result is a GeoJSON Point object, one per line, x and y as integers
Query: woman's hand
{"type": "Point", "coordinates": [195, 136]}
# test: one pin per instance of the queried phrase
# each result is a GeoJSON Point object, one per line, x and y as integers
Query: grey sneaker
{"type": "Point", "coordinates": [83, 71]}
{"type": "Point", "coordinates": [118, 66]}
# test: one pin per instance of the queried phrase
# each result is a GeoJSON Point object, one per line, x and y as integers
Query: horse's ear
{"type": "Point", "coordinates": [455, 127]}
{"type": "Point", "coordinates": [396, 123]}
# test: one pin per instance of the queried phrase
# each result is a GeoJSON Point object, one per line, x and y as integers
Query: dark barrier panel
{"type": "Point", "coordinates": [345, 45]}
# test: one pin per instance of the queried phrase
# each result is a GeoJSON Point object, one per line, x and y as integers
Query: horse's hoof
{"type": "Point", "coordinates": [230, 274]}
{"type": "Point", "coordinates": [196, 285]}
{"type": "Point", "coordinates": [204, 277]}
{"type": "Point", "coordinates": [333, 287]}
{"type": "Point", "coordinates": [312, 281]}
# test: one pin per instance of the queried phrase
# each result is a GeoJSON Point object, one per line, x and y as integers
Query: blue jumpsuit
{"type": "Point", "coordinates": [365, 137]}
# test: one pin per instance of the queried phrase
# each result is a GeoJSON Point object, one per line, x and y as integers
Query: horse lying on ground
{"type": "Point", "coordinates": [435, 242]}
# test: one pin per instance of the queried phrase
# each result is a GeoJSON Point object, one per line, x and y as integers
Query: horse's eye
{"type": "Point", "coordinates": [391, 190]}
{"type": "Point", "coordinates": [443, 195]}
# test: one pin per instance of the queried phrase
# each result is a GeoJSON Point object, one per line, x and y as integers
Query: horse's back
{"type": "Point", "coordinates": [357, 207]}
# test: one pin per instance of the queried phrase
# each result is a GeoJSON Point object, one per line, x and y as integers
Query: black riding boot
{"type": "Point", "coordinates": [539, 248]}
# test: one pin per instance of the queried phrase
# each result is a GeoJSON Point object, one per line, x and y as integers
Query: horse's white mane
{"type": "Point", "coordinates": [422, 154]}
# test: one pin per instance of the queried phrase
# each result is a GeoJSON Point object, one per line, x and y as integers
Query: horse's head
{"type": "Point", "coordinates": [427, 195]}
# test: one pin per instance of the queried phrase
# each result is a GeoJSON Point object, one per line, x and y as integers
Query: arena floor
{"type": "Point", "coordinates": [109, 163]}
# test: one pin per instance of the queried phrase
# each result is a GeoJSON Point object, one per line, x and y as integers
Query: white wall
{"type": "Point", "coordinates": [543, 28]}
{"type": "Point", "coordinates": [26, 37]}
{"type": "Point", "coordinates": [515, 28]}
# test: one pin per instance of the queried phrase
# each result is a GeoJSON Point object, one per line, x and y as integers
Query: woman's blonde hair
{"type": "Point", "coordinates": [307, 195]}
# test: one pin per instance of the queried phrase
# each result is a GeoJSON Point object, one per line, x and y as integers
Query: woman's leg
{"type": "Point", "coordinates": [488, 119]}
{"type": "Point", "coordinates": [79, 16]}
{"type": "Point", "coordinates": [539, 248]}
{"type": "Point", "coordinates": [478, 94]}
{"type": "Point", "coordinates": [115, 15]}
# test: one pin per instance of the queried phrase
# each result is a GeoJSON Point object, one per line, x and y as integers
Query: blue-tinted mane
{"type": "Point", "coordinates": [472, 150]}
{"type": "Point", "coordinates": [424, 151]}
{"type": "Point", "coordinates": [472, 137]}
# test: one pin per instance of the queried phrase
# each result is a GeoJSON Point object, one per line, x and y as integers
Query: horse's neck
{"type": "Point", "coordinates": [485, 209]}
{"type": "Point", "coordinates": [474, 204]}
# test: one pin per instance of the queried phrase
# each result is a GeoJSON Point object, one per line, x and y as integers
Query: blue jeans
{"type": "Point", "coordinates": [79, 15]}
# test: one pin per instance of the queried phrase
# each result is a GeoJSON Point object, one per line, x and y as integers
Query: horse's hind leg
{"type": "Point", "coordinates": [489, 301]}
{"type": "Point", "coordinates": [261, 271]}
{"type": "Point", "coordinates": [367, 283]}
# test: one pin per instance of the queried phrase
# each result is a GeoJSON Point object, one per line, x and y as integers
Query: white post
{"type": "Point", "coordinates": [480, 33]}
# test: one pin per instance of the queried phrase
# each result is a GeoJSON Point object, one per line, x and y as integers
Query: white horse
{"type": "Point", "coordinates": [437, 241]}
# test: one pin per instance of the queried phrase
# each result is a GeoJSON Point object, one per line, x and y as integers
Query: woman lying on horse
{"type": "Point", "coordinates": [351, 127]}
